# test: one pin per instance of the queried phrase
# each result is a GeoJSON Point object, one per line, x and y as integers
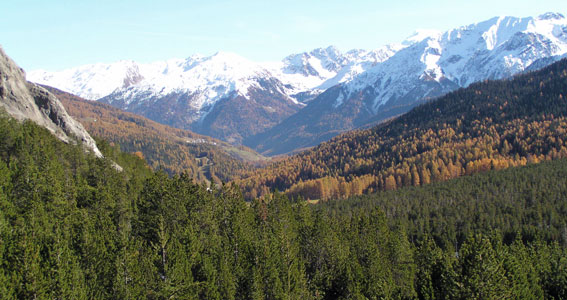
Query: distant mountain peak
{"type": "Point", "coordinates": [420, 35]}
{"type": "Point", "coordinates": [551, 16]}
{"type": "Point", "coordinates": [328, 51]}
{"type": "Point", "coordinates": [427, 65]}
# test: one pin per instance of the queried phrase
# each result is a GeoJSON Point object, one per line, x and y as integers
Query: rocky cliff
{"type": "Point", "coordinates": [26, 101]}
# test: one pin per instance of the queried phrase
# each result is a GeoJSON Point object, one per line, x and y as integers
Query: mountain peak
{"type": "Point", "coordinates": [420, 35]}
{"type": "Point", "coordinates": [370, 84]}
{"type": "Point", "coordinates": [332, 48]}
{"type": "Point", "coordinates": [551, 16]}
{"type": "Point", "coordinates": [194, 57]}
{"type": "Point", "coordinates": [330, 51]}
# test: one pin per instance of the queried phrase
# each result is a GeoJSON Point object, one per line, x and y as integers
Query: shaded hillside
{"type": "Point", "coordinates": [319, 122]}
{"type": "Point", "coordinates": [233, 119]}
{"type": "Point", "coordinates": [224, 95]}
{"type": "Point", "coordinates": [490, 125]}
{"type": "Point", "coordinates": [174, 150]}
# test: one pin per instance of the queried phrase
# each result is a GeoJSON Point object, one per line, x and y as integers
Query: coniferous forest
{"type": "Point", "coordinates": [73, 227]}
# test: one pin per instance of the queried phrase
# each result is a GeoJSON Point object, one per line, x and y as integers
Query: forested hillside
{"type": "Point", "coordinates": [490, 125]}
{"type": "Point", "coordinates": [73, 227]}
{"type": "Point", "coordinates": [524, 201]}
{"type": "Point", "coordinates": [174, 150]}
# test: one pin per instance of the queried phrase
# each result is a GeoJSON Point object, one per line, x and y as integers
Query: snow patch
{"type": "Point", "coordinates": [420, 35]}
{"type": "Point", "coordinates": [339, 100]}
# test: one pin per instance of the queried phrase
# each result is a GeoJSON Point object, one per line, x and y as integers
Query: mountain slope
{"type": "Point", "coordinates": [431, 66]}
{"type": "Point", "coordinates": [489, 125]}
{"type": "Point", "coordinates": [26, 101]}
{"type": "Point", "coordinates": [174, 150]}
{"type": "Point", "coordinates": [308, 74]}
{"type": "Point", "coordinates": [223, 95]}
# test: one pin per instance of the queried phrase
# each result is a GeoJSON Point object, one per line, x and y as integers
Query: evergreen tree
{"type": "Point", "coordinates": [481, 273]}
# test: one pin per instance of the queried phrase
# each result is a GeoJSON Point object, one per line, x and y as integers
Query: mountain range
{"type": "Point", "coordinates": [310, 97]}
{"type": "Point", "coordinates": [489, 125]}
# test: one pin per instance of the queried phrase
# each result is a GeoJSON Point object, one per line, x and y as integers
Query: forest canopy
{"type": "Point", "coordinates": [72, 226]}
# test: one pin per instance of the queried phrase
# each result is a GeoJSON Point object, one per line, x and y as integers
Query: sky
{"type": "Point", "coordinates": [59, 34]}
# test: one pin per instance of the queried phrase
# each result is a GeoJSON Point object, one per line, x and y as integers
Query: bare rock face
{"type": "Point", "coordinates": [26, 101]}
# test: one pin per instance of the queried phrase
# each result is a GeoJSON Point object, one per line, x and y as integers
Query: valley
{"type": "Point", "coordinates": [433, 168]}
{"type": "Point", "coordinates": [173, 150]}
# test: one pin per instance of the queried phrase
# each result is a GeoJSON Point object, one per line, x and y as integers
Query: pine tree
{"type": "Point", "coordinates": [481, 271]}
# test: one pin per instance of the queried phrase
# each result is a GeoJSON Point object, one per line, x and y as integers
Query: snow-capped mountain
{"type": "Point", "coordinates": [201, 93]}
{"type": "Point", "coordinates": [493, 49]}
{"type": "Point", "coordinates": [90, 81]}
{"type": "Point", "coordinates": [324, 91]}
{"type": "Point", "coordinates": [308, 74]}
{"type": "Point", "coordinates": [428, 65]}
{"type": "Point", "coordinates": [185, 93]}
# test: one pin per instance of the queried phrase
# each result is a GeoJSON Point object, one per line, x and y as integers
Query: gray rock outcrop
{"type": "Point", "coordinates": [24, 100]}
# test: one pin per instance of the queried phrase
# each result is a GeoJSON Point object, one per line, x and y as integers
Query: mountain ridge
{"type": "Point", "coordinates": [492, 124]}
{"type": "Point", "coordinates": [431, 67]}
{"type": "Point", "coordinates": [309, 97]}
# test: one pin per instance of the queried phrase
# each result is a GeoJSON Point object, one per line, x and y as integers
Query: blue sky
{"type": "Point", "coordinates": [58, 34]}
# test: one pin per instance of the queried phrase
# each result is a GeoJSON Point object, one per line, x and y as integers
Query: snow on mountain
{"type": "Point", "coordinates": [206, 80]}
{"type": "Point", "coordinates": [428, 64]}
{"type": "Point", "coordinates": [420, 35]}
{"type": "Point", "coordinates": [212, 78]}
{"type": "Point", "coordinates": [224, 95]}
{"type": "Point", "coordinates": [358, 86]}
{"type": "Point", "coordinates": [493, 49]}
{"type": "Point", "coordinates": [216, 75]}
{"type": "Point", "coordinates": [498, 47]}
{"type": "Point", "coordinates": [306, 71]}
{"type": "Point", "coordinates": [90, 81]}
{"type": "Point", "coordinates": [188, 93]}
{"type": "Point", "coordinates": [315, 71]}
